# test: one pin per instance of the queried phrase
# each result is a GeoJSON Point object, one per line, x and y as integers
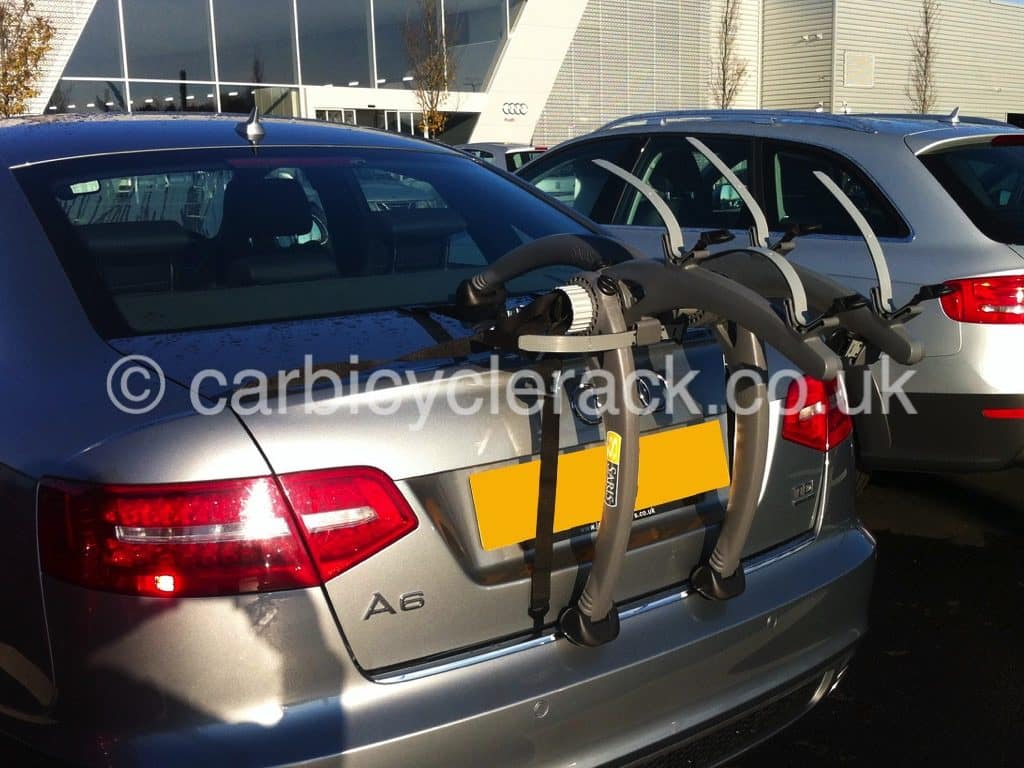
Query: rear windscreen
{"type": "Point", "coordinates": [987, 182]}
{"type": "Point", "coordinates": [157, 242]}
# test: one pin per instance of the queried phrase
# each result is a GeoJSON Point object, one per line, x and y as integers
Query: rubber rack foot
{"type": "Point", "coordinates": [580, 630]}
{"type": "Point", "coordinates": [714, 586]}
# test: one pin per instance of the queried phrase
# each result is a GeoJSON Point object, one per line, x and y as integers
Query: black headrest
{"type": "Point", "coordinates": [134, 237]}
{"type": "Point", "coordinates": [419, 223]}
{"type": "Point", "coordinates": [677, 172]}
{"type": "Point", "coordinates": [267, 208]}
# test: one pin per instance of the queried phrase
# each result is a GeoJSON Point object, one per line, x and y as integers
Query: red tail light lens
{"type": "Point", "coordinates": [216, 538]}
{"type": "Point", "coordinates": [989, 300]}
{"type": "Point", "coordinates": [347, 514]}
{"type": "Point", "coordinates": [814, 416]}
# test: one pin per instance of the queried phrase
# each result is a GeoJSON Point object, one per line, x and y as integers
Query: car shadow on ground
{"type": "Point", "coordinates": [938, 680]}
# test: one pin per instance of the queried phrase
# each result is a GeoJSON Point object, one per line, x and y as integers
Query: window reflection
{"type": "Point", "coordinates": [168, 39]}
{"type": "Point", "coordinates": [392, 18]}
{"type": "Point", "coordinates": [255, 40]}
{"type": "Point", "coordinates": [515, 7]}
{"type": "Point", "coordinates": [475, 29]}
{"type": "Point", "coordinates": [172, 41]}
{"type": "Point", "coordinates": [88, 96]}
{"type": "Point", "coordinates": [335, 42]}
{"type": "Point", "coordinates": [98, 51]}
{"type": "Point", "coordinates": [271, 100]}
{"type": "Point", "coordinates": [171, 97]}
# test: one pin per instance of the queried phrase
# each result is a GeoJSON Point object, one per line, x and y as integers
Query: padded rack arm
{"type": "Point", "coordinates": [701, 289]}
{"type": "Point", "coordinates": [823, 294]}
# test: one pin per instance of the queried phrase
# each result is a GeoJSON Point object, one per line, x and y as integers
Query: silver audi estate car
{"type": "Point", "coordinates": [197, 571]}
{"type": "Point", "coordinates": [944, 195]}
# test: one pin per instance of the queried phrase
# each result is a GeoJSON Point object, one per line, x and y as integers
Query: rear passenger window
{"type": "Point", "coordinates": [572, 178]}
{"type": "Point", "coordinates": [795, 196]}
{"type": "Point", "coordinates": [694, 189]}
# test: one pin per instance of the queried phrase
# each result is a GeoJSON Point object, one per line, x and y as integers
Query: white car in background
{"type": "Point", "coordinates": [508, 157]}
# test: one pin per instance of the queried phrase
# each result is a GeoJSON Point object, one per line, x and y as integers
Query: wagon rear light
{"type": "Point", "coordinates": [989, 300]}
{"type": "Point", "coordinates": [217, 538]}
{"type": "Point", "coordinates": [814, 416]}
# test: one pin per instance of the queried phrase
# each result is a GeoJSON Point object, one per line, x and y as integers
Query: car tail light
{"type": "Point", "coordinates": [1003, 413]}
{"type": "Point", "coordinates": [213, 538]}
{"type": "Point", "coordinates": [1008, 140]}
{"type": "Point", "coordinates": [347, 514]}
{"type": "Point", "coordinates": [990, 300]}
{"type": "Point", "coordinates": [814, 416]}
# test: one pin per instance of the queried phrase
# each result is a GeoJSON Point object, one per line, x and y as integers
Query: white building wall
{"type": "Point", "coordinates": [980, 63]}
{"type": "Point", "coordinates": [526, 72]}
{"type": "Point", "coordinates": [748, 49]}
{"type": "Point", "coordinates": [797, 54]}
{"type": "Point", "coordinates": [68, 18]}
{"type": "Point", "coordinates": [631, 56]}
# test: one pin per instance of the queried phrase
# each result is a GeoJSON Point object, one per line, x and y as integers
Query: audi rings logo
{"type": "Point", "coordinates": [515, 108]}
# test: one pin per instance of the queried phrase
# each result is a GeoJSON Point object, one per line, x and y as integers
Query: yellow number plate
{"type": "Point", "coordinates": [674, 464]}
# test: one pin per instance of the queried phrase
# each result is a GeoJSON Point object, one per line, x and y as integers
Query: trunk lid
{"type": "Point", "coordinates": [438, 590]}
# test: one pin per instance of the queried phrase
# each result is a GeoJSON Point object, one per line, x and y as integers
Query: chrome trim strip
{"type": "Point", "coordinates": [753, 565]}
{"type": "Point", "coordinates": [221, 533]}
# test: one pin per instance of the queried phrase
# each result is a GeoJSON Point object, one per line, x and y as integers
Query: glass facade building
{"type": "Point", "coordinates": [228, 55]}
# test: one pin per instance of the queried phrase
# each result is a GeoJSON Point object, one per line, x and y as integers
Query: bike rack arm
{"type": "Point", "coordinates": [882, 295]}
{"type": "Point", "coordinates": [485, 292]}
{"type": "Point", "coordinates": [824, 296]}
{"type": "Point", "coordinates": [795, 293]}
{"type": "Point", "coordinates": [701, 289]}
{"type": "Point", "coordinates": [676, 242]}
{"type": "Point", "coordinates": [760, 222]}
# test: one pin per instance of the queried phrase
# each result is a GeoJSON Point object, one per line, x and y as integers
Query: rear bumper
{"type": "Point", "coordinates": [681, 666]}
{"type": "Point", "coordinates": [949, 433]}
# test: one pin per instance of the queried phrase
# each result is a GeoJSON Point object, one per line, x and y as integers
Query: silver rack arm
{"type": "Point", "coordinates": [882, 295]}
{"type": "Point", "coordinates": [798, 307]}
{"type": "Point", "coordinates": [675, 233]}
{"type": "Point", "coordinates": [760, 222]}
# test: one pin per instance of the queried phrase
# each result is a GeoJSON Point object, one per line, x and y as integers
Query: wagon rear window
{"type": "Point", "coordinates": [159, 242]}
{"type": "Point", "coordinates": [987, 182]}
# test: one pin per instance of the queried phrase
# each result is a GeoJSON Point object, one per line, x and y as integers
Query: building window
{"type": "Point", "coordinates": [391, 19]}
{"type": "Point", "coordinates": [475, 29]}
{"type": "Point", "coordinates": [255, 41]}
{"type": "Point", "coordinates": [271, 100]}
{"type": "Point", "coordinates": [98, 51]}
{"type": "Point", "coordinates": [88, 96]}
{"type": "Point", "coordinates": [173, 97]}
{"type": "Point", "coordinates": [334, 39]}
{"type": "Point", "coordinates": [168, 39]}
{"type": "Point", "coordinates": [515, 7]}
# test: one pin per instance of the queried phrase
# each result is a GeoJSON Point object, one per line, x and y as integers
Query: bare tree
{"type": "Point", "coordinates": [921, 90]}
{"type": "Point", "coordinates": [25, 38]}
{"type": "Point", "coordinates": [431, 65]}
{"type": "Point", "coordinates": [730, 71]}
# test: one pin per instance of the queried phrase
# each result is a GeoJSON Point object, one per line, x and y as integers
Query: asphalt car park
{"type": "Point", "coordinates": [938, 679]}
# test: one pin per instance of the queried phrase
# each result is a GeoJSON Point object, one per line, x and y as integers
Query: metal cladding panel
{"type": "Point", "coordinates": [633, 56]}
{"type": "Point", "coordinates": [979, 63]}
{"type": "Point", "coordinates": [797, 63]}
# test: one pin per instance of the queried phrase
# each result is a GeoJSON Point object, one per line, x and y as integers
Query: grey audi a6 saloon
{"type": "Point", "coordinates": [199, 571]}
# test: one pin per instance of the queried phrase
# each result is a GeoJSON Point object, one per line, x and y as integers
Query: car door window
{"type": "Point", "coordinates": [571, 177]}
{"type": "Point", "coordinates": [795, 196]}
{"type": "Point", "coordinates": [694, 189]}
